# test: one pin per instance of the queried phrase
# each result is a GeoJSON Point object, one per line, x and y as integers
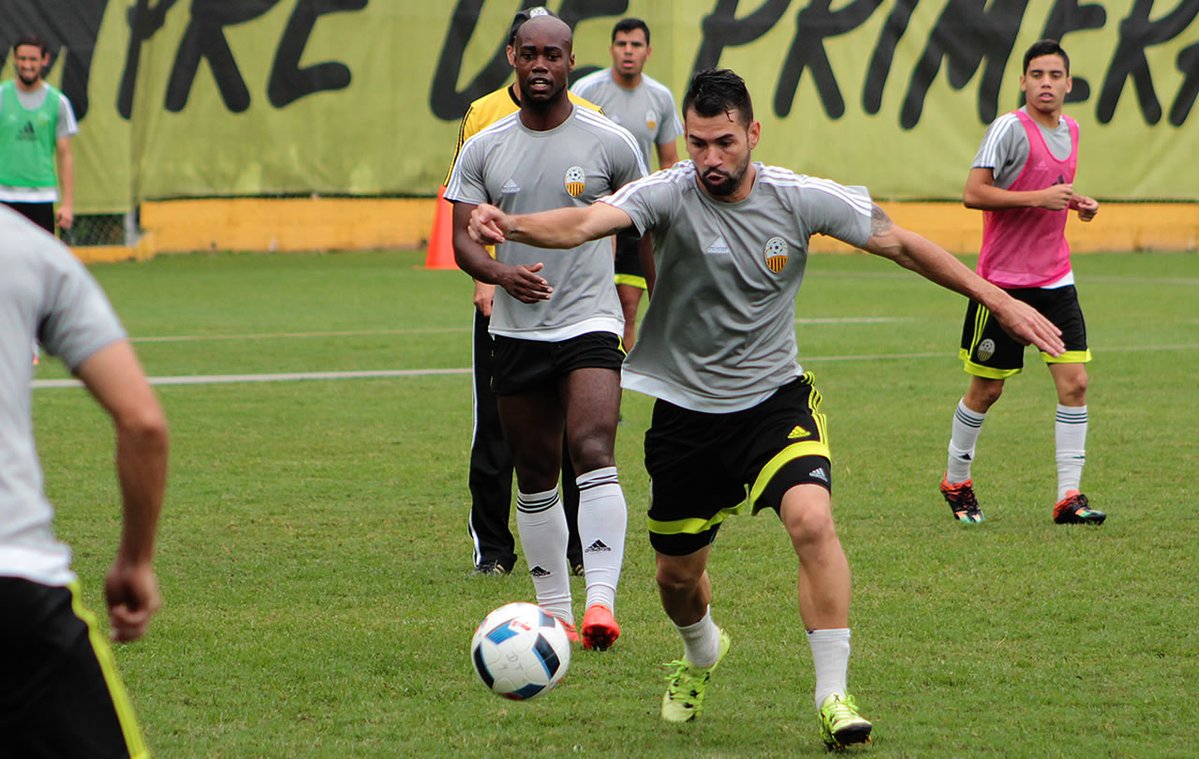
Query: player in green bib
{"type": "Point", "coordinates": [36, 126]}
{"type": "Point", "coordinates": [737, 423]}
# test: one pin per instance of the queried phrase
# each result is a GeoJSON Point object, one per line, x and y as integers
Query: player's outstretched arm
{"type": "Point", "coordinates": [935, 264]}
{"type": "Point", "coordinates": [559, 228]}
{"type": "Point", "coordinates": [115, 378]}
{"type": "Point", "coordinates": [521, 282]}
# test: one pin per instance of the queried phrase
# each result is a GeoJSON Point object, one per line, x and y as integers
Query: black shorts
{"type": "Point", "coordinates": [61, 694]}
{"type": "Point", "coordinates": [990, 352]}
{"type": "Point", "coordinates": [628, 260]}
{"type": "Point", "coordinates": [704, 467]}
{"type": "Point", "coordinates": [521, 366]}
{"type": "Point", "coordinates": [41, 214]}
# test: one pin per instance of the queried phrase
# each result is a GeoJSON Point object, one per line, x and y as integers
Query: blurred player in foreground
{"type": "Point", "coordinates": [61, 692]}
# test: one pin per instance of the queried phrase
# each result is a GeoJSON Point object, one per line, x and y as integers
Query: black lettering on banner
{"type": "Point", "coordinates": [723, 29]}
{"type": "Point", "coordinates": [967, 32]}
{"type": "Point", "coordinates": [144, 22]}
{"type": "Point", "coordinates": [1068, 16]}
{"type": "Point", "coordinates": [288, 82]}
{"type": "Point", "coordinates": [812, 25]}
{"type": "Point", "coordinates": [1137, 33]}
{"type": "Point", "coordinates": [884, 54]}
{"type": "Point", "coordinates": [76, 30]}
{"type": "Point", "coordinates": [1188, 64]}
{"type": "Point", "coordinates": [205, 38]}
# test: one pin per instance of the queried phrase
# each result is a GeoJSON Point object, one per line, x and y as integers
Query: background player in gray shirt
{"type": "Point", "coordinates": [736, 415]}
{"type": "Point", "coordinates": [646, 108]}
{"type": "Point", "coordinates": [557, 359]}
{"type": "Point", "coordinates": [56, 667]}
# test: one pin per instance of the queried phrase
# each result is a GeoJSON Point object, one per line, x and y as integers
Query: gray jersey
{"type": "Point", "coordinates": [719, 335]}
{"type": "Point", "coordinates": [44, 293]}
{"type": "Point", "coordinates": [647, 110]}
{"type": "Point", "coordinates": [521, 170]}
{"type": "Point", "coordinates": [1004, 149]}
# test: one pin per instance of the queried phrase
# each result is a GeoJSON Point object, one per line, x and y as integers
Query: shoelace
{"type": "Point", "coordinates": [679, 677]}
{"type": "Point", "coordinates": [843, 708]}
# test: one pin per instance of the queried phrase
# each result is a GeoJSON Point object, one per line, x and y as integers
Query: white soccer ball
{"type": "Point", "coordinates": [520, 651]}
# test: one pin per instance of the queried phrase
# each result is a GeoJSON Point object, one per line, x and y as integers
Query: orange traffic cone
{"type": "Point", "coordinates": [441, 239]}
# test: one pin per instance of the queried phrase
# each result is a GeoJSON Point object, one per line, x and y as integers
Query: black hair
{"type": "Point", "coordinates": [628, 25]}
{"type": "Point", "coordinates": [716, 91]}
{"type": "Point", "coordinates": [1046, 47]}
{"type": "Point", "coordinates": [31, 39]}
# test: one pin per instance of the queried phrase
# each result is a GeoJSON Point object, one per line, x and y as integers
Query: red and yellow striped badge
{"type": "Point", "coordinates": [576, 181]}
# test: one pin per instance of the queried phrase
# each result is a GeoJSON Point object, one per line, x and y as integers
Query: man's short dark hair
{"type": "Point", "coordinates": [525, 14]}
{"type": "Point", "coordinates": [1046, 47]}
{"type": "Point", "coordinates": [628, 25]}
{"type": "Point", "coordinates": [716, 91]}
{"type": "Point", "coordinates": [31, 39]}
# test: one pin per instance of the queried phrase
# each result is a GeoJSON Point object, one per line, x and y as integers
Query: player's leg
{"type": "Point", "coordinates": [533, 421]}
{"type": "Point", "coordinates": [1070, 417]}
{"type": "Point", "coordinates": [630, 283]}
{"type": "Point", "coordinates": [62, 695]}
{"type": "Point", "coordinates": [989, 356]}
{"type": "Point", "coordinates": [592, 397]}
{"type": "Point", "coordinates": [570, 500]}
{"type": "Point", "coordinates": [490, 469]}
{"type": "Point", "coordinates": [630, 303]}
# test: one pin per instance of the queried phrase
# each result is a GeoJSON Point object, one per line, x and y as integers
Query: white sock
{"type": "Point", "coordinates": [701, 641]}
{"type": "Point", "coordinates": [966, 426]}
{"type": "Point", "coordinates": [830, 655]}
{"type": "Point", "coordinates": [541, 522]}
{"type": "Point", "coordinates": [1070, 438]}
{"type": "Point", "coordinates": [603, 521]}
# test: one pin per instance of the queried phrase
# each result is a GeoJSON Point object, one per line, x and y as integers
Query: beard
{"type": "Point", "coordinates": [731, 181]}
{"type": "Point", "coordinates": [30, 80]}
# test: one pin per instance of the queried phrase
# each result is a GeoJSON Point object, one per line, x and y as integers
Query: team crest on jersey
{"type": "Point", "coordinates": [776, 254]}
{"type": "Point", "coordinates": [986, 349]}
{"type": "Point", "coordinates": [651, 120]}
{"type": "Point", "coordinates": [576, 181]}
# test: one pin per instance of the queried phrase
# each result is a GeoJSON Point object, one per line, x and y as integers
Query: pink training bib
{"type": "Point", "coordinates": [1026, 247]}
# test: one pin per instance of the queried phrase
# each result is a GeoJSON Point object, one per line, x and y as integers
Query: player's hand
{"type": "Point", "coordinates": [65, 216]}
{"type": "Point", "coordinates": [522, 283]}
{"type": "Point", "coordinates": [484, 297]}
{"type": "Point", "coordinates": [1027, 325]}
{"type": "Point", "coordinates": [132, 593]}
{"type": "Point", "coordinates": [1057, 197]}
{"type": "Point", "coordinates": [488, 225]}
{"type": "Point", "coordinates": [1086, 207]}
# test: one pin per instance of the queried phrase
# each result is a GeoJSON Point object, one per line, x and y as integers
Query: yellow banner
{"type": "Point", "coordinates": [362, 97]}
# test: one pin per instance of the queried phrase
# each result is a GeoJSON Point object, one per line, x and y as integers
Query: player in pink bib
{"type": "Point", "coordinates": [1023, 181]}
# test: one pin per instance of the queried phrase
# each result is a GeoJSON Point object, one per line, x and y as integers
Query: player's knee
{"type": "Point", "coordinates": [1073, 392]}
{"type": "Point", "coordinates": [982, 395]}
{"type": "Point", "coordinates": [674, 579]}
{"type": "Point", "coordinates": [592, 452]}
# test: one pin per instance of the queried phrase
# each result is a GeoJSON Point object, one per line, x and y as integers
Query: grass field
{"type": "Point", "coordinates": [315, 562]}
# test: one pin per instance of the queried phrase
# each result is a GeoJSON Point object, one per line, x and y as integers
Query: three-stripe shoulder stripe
{"type": "Point", "coordinates": [994, 137]}
{"type": "Point", "coordinates": [680, 172]}
{"type": "Point", "coordinates": [780, 177]}
{"type": "Point", "coordinates": [588, 116]}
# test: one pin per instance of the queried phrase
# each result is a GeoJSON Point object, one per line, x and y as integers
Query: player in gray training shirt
{"type": "Point", "coordinates": [57, 667]}
{"type": "Point", "coordinates": [556, 359]}
{"type": "Point", "coordinates": [646, 108]}
{"type": "Point", "coordinates": [736, 416]}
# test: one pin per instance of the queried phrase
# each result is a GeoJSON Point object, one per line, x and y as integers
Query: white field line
{"type": "Point", "coordinates": [220, 379]}
{"type": "Point", "coordinates": [431, 331]}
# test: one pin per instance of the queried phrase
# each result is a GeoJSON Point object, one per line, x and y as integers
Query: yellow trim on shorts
{"type": "Point", "coordinates": [788, 454]}
{"type": "Point", "coordinates": [632, 280]}
{"type": "Point", "coordinates": [693, 526]}
{"type": "Point", "coordinates": [1069, 357]}
{"type": "Point", "coordinates": [986, 372]}
{"type": "Point", "coordinates": [116, 688]}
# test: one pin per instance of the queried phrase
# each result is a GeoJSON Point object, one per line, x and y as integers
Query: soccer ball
{"type": "Point", "coordinates": [520, 651]}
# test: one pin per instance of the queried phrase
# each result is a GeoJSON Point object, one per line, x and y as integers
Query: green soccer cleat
{"type": "Point", "coordinates": [684, 698]}
{"type": "Point", "coordinates": [1074, 509]}
{"type": "Point", "coordinates": [840, 723]}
